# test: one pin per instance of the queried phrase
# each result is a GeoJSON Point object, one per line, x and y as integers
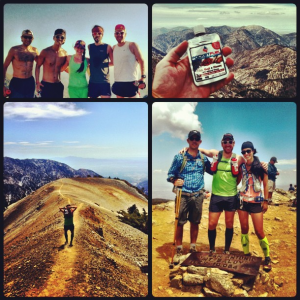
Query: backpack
{"type": "Point", "coordinates": [220, 155]}
{"type": "Point", "coordinates": [185, 161]}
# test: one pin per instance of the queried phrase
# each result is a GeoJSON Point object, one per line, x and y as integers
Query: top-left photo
{"type": "Point", "coordinates": [75, 51]}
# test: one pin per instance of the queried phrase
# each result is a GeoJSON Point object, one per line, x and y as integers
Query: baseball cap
{"type": "Point", "coordinates": [227, 136]}
{"type": "Point", "coordinates": [80, 44]}
{"type": "Point", "coordinates": [120, 27]}
{"type": "Point", "coordinates": [194, 132]}
{"type": "Point", "coordinates": [274, 159]}
{"type": "Point", "coordinates": [246, 145]}
{"type": "Point", "coordinates": [27, 31]}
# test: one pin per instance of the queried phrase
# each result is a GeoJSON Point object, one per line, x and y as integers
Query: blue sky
{"type": "Point", "coordinates": [83, 129]}
{"type": "Point", "coordinates": [278, 17]}
{"type": "Point", "coordinates": [271, 127]}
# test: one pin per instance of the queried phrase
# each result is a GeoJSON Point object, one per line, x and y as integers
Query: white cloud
{"type": "Point", "coordinates": [71, 142]}
{"type": "Point", "coordinates": [287, 161]}
{"type": "Point", "coordinates": [177, 118]}
{"type": "Point", "coordinates": [45, 110]}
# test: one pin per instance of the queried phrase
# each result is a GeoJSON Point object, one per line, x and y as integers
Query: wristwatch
{"type": "Point", "coordinates": [143, 76]}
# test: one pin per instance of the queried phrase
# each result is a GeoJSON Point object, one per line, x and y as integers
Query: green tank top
{"type": "Point", "coordinates": [77, 80]}
{"type": "Point", "coordinates": [68, 217]}
{"type": "Point", "coordinates": [224, 184]}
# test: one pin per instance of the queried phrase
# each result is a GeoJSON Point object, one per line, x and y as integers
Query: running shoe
{"type": "Point", "coordinates": [226, 252]}
{"type": "Point", "coordinates": [193, 249]}
{"type": "Point", "coordinates": [177, 255]}
{"type": "Point", "coordinates": [211, 252]}
{"type": "Point", "coordinates": [267, 264]}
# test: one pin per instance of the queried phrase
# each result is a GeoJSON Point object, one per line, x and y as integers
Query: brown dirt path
{"type": "Point", "coordinates": [281, 233]}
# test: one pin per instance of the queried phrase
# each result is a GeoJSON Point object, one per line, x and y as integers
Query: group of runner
{"type": "Point", "coordinates": [228, 170]}
{"type": "Point", "coordinates": [125, 56]}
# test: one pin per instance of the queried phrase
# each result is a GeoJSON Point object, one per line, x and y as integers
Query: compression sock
{"type": "Point", "coordinates": [212, 238]}
{"type": "Point", "coordinates": [228, 238]}
{"type": "Point", "coordinates": [245, 243]}
{"type": "Point", "coordinates": [264, 244]}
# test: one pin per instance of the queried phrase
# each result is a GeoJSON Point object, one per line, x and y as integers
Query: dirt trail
{"type": "Point", "coordinates": [64, 266]}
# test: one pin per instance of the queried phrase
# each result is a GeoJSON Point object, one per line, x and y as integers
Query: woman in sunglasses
{"type": "Point", "coordinates": [252, 201]}
{"type": "Point", "coordinates": [77, 66]}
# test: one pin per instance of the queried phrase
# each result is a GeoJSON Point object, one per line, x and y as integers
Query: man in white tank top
{"type": "Point", "coordinates": [127, 57]}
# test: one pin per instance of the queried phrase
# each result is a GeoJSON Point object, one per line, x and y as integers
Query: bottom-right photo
{"type": "Point", "coordinates": [224, 199]}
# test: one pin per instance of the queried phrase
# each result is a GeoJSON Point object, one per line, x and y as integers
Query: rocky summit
{"type": "Point", "coordinates": [24, 176]}
{"type": "Point", "coordinates": [264, 61]}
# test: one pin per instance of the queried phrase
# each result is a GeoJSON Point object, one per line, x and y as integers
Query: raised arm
{"type": "Point", "coordinates": [210, 153]}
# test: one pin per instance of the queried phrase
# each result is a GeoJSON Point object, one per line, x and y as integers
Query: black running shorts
{"type": "Point", "coordinates": [69, 227]}
{"type": "Point", "coordinates": [99, 89]}
{"type": "Point", "coordinates": [220, 203]}
{"type": "Point", "coordinates": [52, 90]}
{"type": "Point", "coordinates": [125, 89]}
{"type": "Point", "coordinates": [251, 208]}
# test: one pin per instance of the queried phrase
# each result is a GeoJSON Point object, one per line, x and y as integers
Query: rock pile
{"type": "Point", "coordinates": [213, 282]}
{"type": "Point", "coordinates": [280, 197]}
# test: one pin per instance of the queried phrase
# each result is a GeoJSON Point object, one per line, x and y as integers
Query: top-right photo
{"type": "Point", "coordinates": [224, 50]}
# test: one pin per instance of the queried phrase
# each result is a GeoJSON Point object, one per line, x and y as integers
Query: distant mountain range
{"type": "Point", "coordinates": [264, 61]}
{"type": "Point", "coordinates": [23, 176]}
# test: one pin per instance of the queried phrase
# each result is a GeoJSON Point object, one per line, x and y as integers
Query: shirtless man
{"type": "Point", "coordinates": [127, 57]}
{"type": "Point", "coordinates": [100, 59]}
{"type": "Point", "coordinates": [22, 84]}
{"type": "Point", "coordinates": [52, 59]}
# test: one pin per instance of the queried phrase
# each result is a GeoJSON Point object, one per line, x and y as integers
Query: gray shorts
{"type": "Point", "coordinates": [271, 185]}
{"type": "Point", "coordinates": [190, 208]}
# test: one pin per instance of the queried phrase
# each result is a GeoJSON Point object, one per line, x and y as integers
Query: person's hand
{"type": "Point", "coordinates": [4, 91]}
{"type": "Point", "coordinates": [38, 86]}
{"type": "Point", "coordinates": [173, 77]}
{"type": "Point", "coordinates": [185, 149]}
{"type": "Point", "coordinates": [277, 173]}
{"type": "Point", "coordinates": [178, 182]}
{"type": "Point", "coordinates": [264, 206]}
{"type": "Point", "coordinates": [264, 165]}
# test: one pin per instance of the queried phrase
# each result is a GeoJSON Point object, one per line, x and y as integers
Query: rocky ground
{"type": "Point", "coordinates": [105, 259]}
{"type": "Point", "coordinates": [280, 229]}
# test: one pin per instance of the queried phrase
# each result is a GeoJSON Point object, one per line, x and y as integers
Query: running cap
{"type": "Point", "coordinates": [80, 44]}
{"type": "Point", "coordinates": [194, 132]}
{"type": "Point", "coordinates": [27, 31]}
{"type": "Point", "coordinates": [227, 136]}
{"type": "Point", "coordinates": [60, 31]}
{"type": "Point", "coordinates": [246, 145]}
{"type": "Point", "coordinates": [274, 159]}
{"type": "Point", "coordinates": [120, 27]}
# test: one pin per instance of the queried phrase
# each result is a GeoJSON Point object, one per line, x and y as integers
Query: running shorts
{"type": "Point", "coordinates": [22, 88]}
{"type": "Point", "coordinates": [220, 203]}
{"type": "Point", "coordinates": [52, 90]}
{"type": "Point", "coordinates": [99, 89]}
{"type": "Point", "coordinates": [125, 89]}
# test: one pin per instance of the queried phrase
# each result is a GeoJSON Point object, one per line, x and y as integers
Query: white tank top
{"type": "Point", "coordinates": [125, 64]}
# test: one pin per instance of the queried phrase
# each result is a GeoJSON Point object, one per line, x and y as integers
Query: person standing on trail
{"type": "Point", "coordinates": [272, 172]}
{"type": "Point", "coordinates": [68, 224]}
{"type": "Point", "coordinates": [252, 201]}
{"type": "Point", "coordinates": [191, 177]}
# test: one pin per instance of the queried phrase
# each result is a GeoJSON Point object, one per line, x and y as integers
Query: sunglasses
{"type": "Point", "coordinates": [227, 142]}
{"type": "Point", "coordinates": [60, 37]}
{"type": "Point", "coordinates": [119, 33]}
{"type": "Point", "coordinates": [246, 151]}
{"type": "Point", "coordinates": [194, 139]}
{"type": "Point", "coordinates": [27, 37]}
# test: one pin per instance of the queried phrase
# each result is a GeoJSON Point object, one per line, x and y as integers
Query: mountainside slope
{"type": "Point", "coordinates": [106, 256]}
{"type": "Point", "coordinates": [23, 176]}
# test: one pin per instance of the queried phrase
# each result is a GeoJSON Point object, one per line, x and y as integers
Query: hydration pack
{"type": "Point", "coordinates": [220, 155]}
{"type": "Point", "coordinates": [245, 181]}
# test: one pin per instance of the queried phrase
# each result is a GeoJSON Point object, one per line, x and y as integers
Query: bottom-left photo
{"type": "Point", "coordinates": [75, 202]}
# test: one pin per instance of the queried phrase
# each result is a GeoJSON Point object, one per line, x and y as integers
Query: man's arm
{"type": "Point", "coordinates": [39, 63]}
{"type": "Point", "coordinates": [73, 208]}
{"type": "Point", "coordinates": [272, 171]}
{"type": "Point", "coordinates": [64, 67]}
{"type": "Point", "coordinates": [7, 62]}
{"type": "Point", "coordinates": [110, 54]}
{"type": "Point", "coordinates": [174, 169]}
{"type": "Point", "coordinates": [210, 153]}
{"type": "Point", "coordinates": [134, 48]}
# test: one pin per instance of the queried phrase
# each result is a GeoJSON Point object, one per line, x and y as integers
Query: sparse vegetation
{"type": "Point", "coordinates": [133, 218]}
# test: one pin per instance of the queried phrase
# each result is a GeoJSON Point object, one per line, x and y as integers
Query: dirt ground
{"type": "Point", "coordinates": [37, 263]}
{"type": "Point", "coordinates": [280, 229]}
